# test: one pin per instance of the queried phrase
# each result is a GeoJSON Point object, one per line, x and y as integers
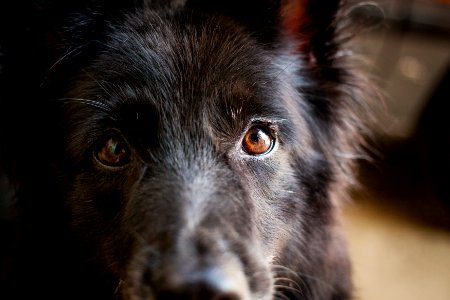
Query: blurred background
{"type": "Point", "coordinates": [398, 223]}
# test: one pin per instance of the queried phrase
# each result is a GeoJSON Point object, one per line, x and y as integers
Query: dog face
{"type": "Point", "coordinates": [193, 149]}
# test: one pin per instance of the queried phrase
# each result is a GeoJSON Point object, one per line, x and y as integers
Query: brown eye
{"type": "Point", "coordinates": [113, 151]}
{"type": "Point", "coordinates": [257, 141]}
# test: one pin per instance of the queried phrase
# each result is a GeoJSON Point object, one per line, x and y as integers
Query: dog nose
{"type": "Point", "coordinates": [211, 284]}
{"type": "Point", "coordinates": [197, 292]}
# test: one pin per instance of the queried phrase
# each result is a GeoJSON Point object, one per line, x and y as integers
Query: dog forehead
{"type": "Point", "coordinates": [185, 60]}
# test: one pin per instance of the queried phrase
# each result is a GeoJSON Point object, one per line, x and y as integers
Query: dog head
{"type": "Point", "coordinates": [196, 146]}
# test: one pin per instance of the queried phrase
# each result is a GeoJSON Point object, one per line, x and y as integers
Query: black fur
{"type": "Point", "coordinates": [188, 214]}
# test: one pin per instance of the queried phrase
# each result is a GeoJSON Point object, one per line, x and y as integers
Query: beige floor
{"type": "Point", "coordinates": [395, 258]}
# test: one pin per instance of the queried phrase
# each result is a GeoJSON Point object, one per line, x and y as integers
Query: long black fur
{"type": "Point", "coordinates": [190, 214]}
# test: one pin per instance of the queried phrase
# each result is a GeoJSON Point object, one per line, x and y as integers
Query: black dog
{"type": "Point", "coordinates": [182, 149]}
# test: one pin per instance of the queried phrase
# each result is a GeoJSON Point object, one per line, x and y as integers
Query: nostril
{"type": "Point", "coordinates": [198, 292]}
{"type": "Point", "coordinates": [227, 296]}
{"type": "Point", "coordinates": [212, 284]}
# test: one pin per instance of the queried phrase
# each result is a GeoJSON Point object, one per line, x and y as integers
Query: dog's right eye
{"type": "Point", "coordinates": [112, 151]}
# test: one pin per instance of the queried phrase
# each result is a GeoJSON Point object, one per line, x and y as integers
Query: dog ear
{"type": "Point", "coordinates": [312, 24]}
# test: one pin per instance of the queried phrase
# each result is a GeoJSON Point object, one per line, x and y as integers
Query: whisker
{"type": "Point", "coordinates": [351, 156]}
{"type": "Point", "coordinates": [288, 280]}
{"type": "Point", "coordinates": [285, 269]}
{"type": "Point", "coordinates": [99, 83]}
{"type": "Point", "coordinates": [118, 289]}
{"type": "Point", "coordinates": [280, 295]}
{"type": "Point", "coordinates": [302, 277]}
{"type": "Point", "coordinates": [286, 287]}
{"type": "Point", "coordinates": [67, 54]}
{"type": "Point", "coordinates": [94, 103]}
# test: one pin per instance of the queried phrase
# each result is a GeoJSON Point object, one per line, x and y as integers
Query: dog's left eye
{"type": "Point", "coordinates": [258, 141]}
{"type": "Point", "coordinates": [113, 151]}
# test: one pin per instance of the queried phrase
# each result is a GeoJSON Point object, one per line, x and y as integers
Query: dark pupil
{"type": "Point", "coordinates": [113, 151]}
{"type": "Point", "coordinates": [255, 136]}
{"type": "Point", "coordinates": [114, 147]}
